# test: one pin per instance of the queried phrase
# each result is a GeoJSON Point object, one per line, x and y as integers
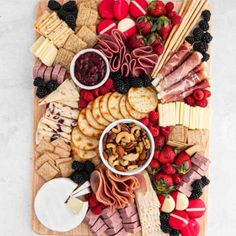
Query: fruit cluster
{"type": "Point", "coordinates": [44, 88]}
{"type": "Point", "coordinates": [66, 12]}
{"type": "Point", "coordinates": [200, 37]}
{"type": "Point", "coordinates": [197, 187]}
{"type": "Point", "coordinates": [94, 204]}
{"type": "Point", "coordinates": [87, 96]}
{"type": "Point", "coordinates": [82, 171]}
{"type": "Point", "coordinates": [198, 98]}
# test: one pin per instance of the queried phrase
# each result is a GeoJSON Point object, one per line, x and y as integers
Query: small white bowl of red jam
{"type": "Point", "coordinates": [89, 69]}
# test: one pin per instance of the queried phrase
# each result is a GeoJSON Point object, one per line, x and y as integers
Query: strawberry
{"type": "Point", "coordinates": [202, 103]}
{"type": "Point", "coordinates": [96, 210]}
{"type": "Point", "coordinates": [145, 121]}
{"type": "Point", "coordinates": [169, 169]}
{"type": "Point", "coordinates": [207, 93]}
{"type": "Point", "coordinates": [190, 101]}
{"type": "Point", "coordinates": [169, 6]}
{"type": "Point", "coordinates": [160, 140]}
{"type": "Point", "coordinates": [167, 179]}
{"type": "Point", "coordinates": [177, 179]}
{"type": "Point", "coordinates": [183, 163]}
{"type": "Point", "coordinates": [167, 155]}
{"type": "Point", "coordinates": [136, 41]}
{"type": "Point", "coordinates": [198, 94]}
{"type": "Point", "coordinates": [153, 116]}
{"type": "Point", "coordinates": [159, 49]}
{"type": "Point", "coordinates": [163, 26]}
{"type": "Point", "coordinates": [144, 25]}
{"type": "Point", "coordinates": [154, 164]}
{"type": "Point", "coordinates": [154, 39]}
{"type": "Point", "coordinates": [154, 130]}
{"type": "Point", "coordinates": [176, 20]}
{"type": "Point", "coordinates": [156, 154]}
{"type": "Point", "coordinates": [156, 8]}
{"type": "Point", "coordinates": [165, 131]}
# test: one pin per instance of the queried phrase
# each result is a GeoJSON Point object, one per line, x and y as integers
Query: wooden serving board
{"type": "Point", "coordinates": [37, 181]}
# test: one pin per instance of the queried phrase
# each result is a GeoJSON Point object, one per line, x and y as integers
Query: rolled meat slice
{"type": "Point", "coordinates": [193, 61]}
{"type": "Point", "coordinates": [125, 67]}
{"type": "Point", "coordinates": [202, 85]}
{"type": "Point", "coordinates": [189, 81]}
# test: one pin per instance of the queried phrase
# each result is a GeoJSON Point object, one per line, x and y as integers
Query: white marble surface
{"type": "Point", "coordinates": [16, 36]}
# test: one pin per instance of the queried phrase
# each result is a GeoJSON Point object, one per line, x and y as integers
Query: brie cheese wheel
{"type": "Point", "coordinates": [51, 208]}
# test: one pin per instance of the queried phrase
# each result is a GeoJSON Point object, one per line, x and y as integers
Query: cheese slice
{"type": "Point", "coordinates": [177, 107]}
{"type": "Point", "coordinates": [37, 44]}
{"type": "Point", "coordinates": [74, 204]}
{"type": "Point", "coordinates": [160, 114]}
{"type": "Point", "coordinates": [181, 118]}
{"type": "Point", "coordinates": [173, 121]}
{"type": "Point", "coordinates": [73, 104]}
{"type": "Point", "coordinates": [66, 91]}
{"type": "Point", "coordinates": [201, 111]}
{"type": "Point", "coordinates": [186, 115]}
{"type": "Point", "coordinates": [49, 56]}
{"type": "Point", "coordinates": [43, 48]}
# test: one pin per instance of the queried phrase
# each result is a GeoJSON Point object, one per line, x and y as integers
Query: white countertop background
{"type": "Point", "coordinates": [16, 36]}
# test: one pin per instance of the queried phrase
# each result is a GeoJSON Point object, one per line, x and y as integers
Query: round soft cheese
{"type": "Point", "coordinates": [51, 209]}
{"type": "Point", "coordinates": [196, 208]}
{"type": "Point", "coordinates": [178, 219]}
{"type": "Point", "coordinates": [181, 201]}
{"type": "Point", "coordinates": [127, 27]}
{"type": "Point", "coordinates": [137, 8]}
{"type": "Point", "coordinates": [192, 229]}
{"type": "Point", "coordinates": [106, 26]}
{"type": "Point", "coordinates": [167, 203]}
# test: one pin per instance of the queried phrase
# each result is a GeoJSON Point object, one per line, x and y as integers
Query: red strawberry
{"type": "Point", "coordinates": [169, 6]}
{"type": "Point", "coordinates": [95, 92]}
{"type": "Point", "coordinates": [136, 41]}
{"type": "Point", "coordinates": [164, 27]}
{"type": "Point", "coordinates": [96, 210]}
{"type": "Point", "coordinates": [154, 40]}
{"type": "Point", "coordinates": [109, 84]}
{"type": "Point", "coordinates": [154, 130]}
{"type": "Point", "coordinates": [207, 93]}
{"type": "Point", "coordinates": [160, 140]}
{"type": "Point", "coordinates": [190, 101]}
{"type": "Point", "coordinates": [82, 103]}
{"type": "Point", "coordinates": [157, 8]}
{"type": "Point", "coordinates": [120, 9]}
{"type": "Point", "coordinates": [159, 49]}
{"type": "Point", "coordinates": [198, 94]}
{"type": "Point", "coordinates": [154, 164]}
{"type": "Point", "coordinates": [169, 169]}
{"type": "Point", "coordinates": [176, 20]}
{"type": "Point", "coordinates": [153, 116]}
{"type": "Point", "coordinates": [144, 25]}
{"type": "Point", "coordinates": [167, 155]}
{"type": "Point", "coordinates": [183, 163]}
{"type": "Point", "coordinates": [166, 179]}
{"type": "Point", "coordinates": [145, 121]}
{"type": "Point", "coordinates": [177, 179]}
{"type": "Point", "coordinates": [156, 154]}
{"type": "Point", "coordinates": [202, 103]}
{"type": "Point", "coordinates": [165, 131]}
{"type": "Point", "coordinates": [103, 90]}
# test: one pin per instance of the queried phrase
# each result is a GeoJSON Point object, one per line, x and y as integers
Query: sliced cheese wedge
{"type": "Point", "coordinates": [48, 57]}
{"type": "Point", "coordinates": [34, 48]}
{"type": "Point", "coordinates": [177, 110]}
{"type": "Point", "coordinates": [74, 204]}
{"type": "Point", "coordinates": [43, 48]}
{"type": "Point", "coordinates": [186, 115]}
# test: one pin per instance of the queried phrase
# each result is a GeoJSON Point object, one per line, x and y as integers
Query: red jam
{"type": "Point", "coordinates": [90, 68]}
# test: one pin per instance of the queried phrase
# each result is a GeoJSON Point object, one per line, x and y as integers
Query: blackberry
{"type": "Point", "coordinates": [136, 82]}
{"type": "Point", "coordinates": [89, 167]}
{"type": "Point", "coordinates": [205, 181]}
{"type": "Point", "coordinates": [78, 166]}
{"type": "Point", "coordinates": [190, 39]}
{"type": "Point", "coordinates": [70, 21]}
{"type": "Point", "coordinates": [77, 177]}
{"type": "Point", "coordinates": [174, 232]}
{"type": "Point", "coordinates": [41, 92]}
{"type": "Point", "coordinates": [206, 37]}
{"type": "Point", "coordinates": [196, 194]}
{"type": "Point", "coordinates": [74, 13]}
{"type": "Point", "coordinates": [206, 57]}
{"type": "Point", "coordinates": [62, 14]}
{"type": "Point", "coordinates": [164, 217]}
{"type": "Point", "coordinates": [201, 47]}
{"type": "Point", "coordinates": [197, 34]}
{"type": "Point", "coordinates": [85, 175]}
{"type": "Point", "coordinates": [197, 184]}
{"type": "Point", "coordinates": [146, 81]}
{"type": "Point", "coordinates": [204, 25]}
{"type": "Point", "coordinates": [69, 6]}
{"type": "Point", "coordinates": [51, 85]}
{"type": "Point", "coordinates": [116, 75]}
{"type": "Point", "coordinates": [165, 227]}
{"type": "Point", "coordinates": [206, 15]}
{"type": "Point", "coordinates": [121, 86]}
{"type": "Point", "coordinates": [54, 5]}
{"type": "Point", "coordinates": [38, 82]}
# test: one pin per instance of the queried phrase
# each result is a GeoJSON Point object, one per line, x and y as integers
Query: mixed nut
{"type": "Point", "coordinates": [126, 147]}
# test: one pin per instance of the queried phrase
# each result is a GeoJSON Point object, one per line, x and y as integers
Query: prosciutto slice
{"type": "Point", "coordinates": [193, 61]}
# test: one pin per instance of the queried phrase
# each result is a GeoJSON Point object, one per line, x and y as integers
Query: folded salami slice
{"type": "Point", "coordinates": [183, 70]}
{"type": "Point", "coordinates": [48, 74]}
{"type": "Point", "coordinates": [36, 68]}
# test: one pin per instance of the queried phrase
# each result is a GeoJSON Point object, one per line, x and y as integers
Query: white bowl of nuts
{"type": "Point", "coordinates": [126, 147]}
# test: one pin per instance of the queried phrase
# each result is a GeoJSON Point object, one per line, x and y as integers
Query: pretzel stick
{"type": "Point", "coordinates": [190, 25]}
{"type": "Point", "coordinates": [185, 20]}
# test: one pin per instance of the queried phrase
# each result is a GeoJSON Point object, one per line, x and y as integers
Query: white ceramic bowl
{"type": "Point", "coordinates": [139, 169]}
{"type": "Point", "coordinates": [72, 69]}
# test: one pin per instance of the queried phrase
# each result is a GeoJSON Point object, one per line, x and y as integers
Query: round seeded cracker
{"type": "Point", "coordinates": [123, 108]}
{"type": "Point", "coordinates": [114, 105]}
{"type": "Point", "coordinates": [104, 107]}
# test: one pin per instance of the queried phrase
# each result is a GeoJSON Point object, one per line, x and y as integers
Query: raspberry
{"type": "Point", "coordinates": [96, 210]}
{"type": "Point", "coordinates": [103, 90]}
{"type": "Point", "coordinates": [190, 101]}
{"type": "Point", "coordinates": [207, 93]}
{"type": "Point", "coordinates": [202, 103]}
{"type": "Point", "coordinates": [109, 84]}
{"type": "Point", "coordinates": [87, 196]}
{"type": "Point", "coordinates": [172, 14]}
{"type": "Point", "coordinates": [198, 94]}
{"type": "Point", "coordinates": [145, 121]}
{"type": "Point", "coordinates": [103, 206]}
{"type": "Point", "coordinates": [153, 116]}
{"type": "Point", "coordinates": [93, 201]}
{"type": "Point", "coordinates": [82, 103]}
{"type": "Point", "coordinates": [160, 140]}
{"type": "Point", "coordinates": [156, 154]}
{"type": "Point", "coordinates": [169, 6]}
{"type": "Point", "coordinates": [176, 20]}
{"type": "Point", "coordinates": [154, 164]}
{"type": "Point", "coordinates": [154, 130]}
{"type": "Point", "coordinates": [95, 92]}
{"type": "Point", "coordinates": [87, 95]}
{"type": "Point", "coordinates": [165, 131]}
{"type": "Point", "coordinates": [159, 49]}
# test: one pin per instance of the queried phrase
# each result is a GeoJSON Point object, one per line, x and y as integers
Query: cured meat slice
{"type": "Point", "coordinates": [48, 74]}
{"type": "Point", "coordinates": [36, 69]}
{"type": "Point", "coordinates": [183, 70]}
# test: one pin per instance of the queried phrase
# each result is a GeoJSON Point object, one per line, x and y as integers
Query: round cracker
{"type": "Point", "coordinates": [143, 100]}
{"type": "Point", "coordinates": [104, 108]}
{"type": "Point", "coordinates": [84, 126]}
{"type": "Point", "coordinates": [134, 114]}
{"type": "Point", "coordinates": [123, 109]}
{"type": "Point", "coordinates": [82, 155]}
{"type": "Point", "coordinates": [97, 113]}
{"type": "Point", "coordinates": [83, 142]}
{"type": "Point", "coordinates": [114, 105]}
{"type": "Point", "coordinates": [90, 118]}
